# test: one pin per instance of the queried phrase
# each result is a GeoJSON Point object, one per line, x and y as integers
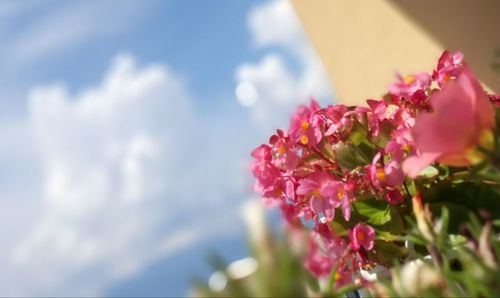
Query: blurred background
{"type": "Point", "coordinates": [126, 129]}
{"type": "Point", "coordinates": [126, 126]}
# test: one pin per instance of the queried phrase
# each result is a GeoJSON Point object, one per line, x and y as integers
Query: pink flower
{"type": "Point", "coordinates": [324, 193]}
{"type": "Point", "coordinates": [262, 153]}
{"type": "Point", "coordinates": [306, 213]}
{"type": "Point", "coordinates": [402, 141]}
{"type": "Point", "coordinates": [291, 214]}
{"type": "Point", "coordinates": [264, 171]}
{"type": "Point", "coordinates": [319, 264]}
{"type": "Point", "coordinates": [382, 110]}
{"type": "Point", "coordinates": [323, 256]}
{"type": "Point", "coordinates": [449, 66]}
{"type": "Point", "coordinates": [462, 118]}
{"type": "Point", "coordinates": [338, 119]}
{"type": "Point", "coordinates": [393, 173]}
{"type": "Point", "coordinates": [362, 236]}
{"type": "Point", "coordinates": [284, 153]}
{"type": "Point", "coordinates": [394, 197]}
{"type": "Point", "coordinates": [272, 183]}
{"type": "Point", "coordinates": [335, 246]}
{"type": "Point", "coordinates": [346, 195]}
{"type": "Point", "coordinates": [395, 149]}
{"type": "Point", "coordinates": [304, 128]}
{"type": "Point", "coordinates": [419, 99]}
{"type": "Point", "coordinates": [495, 99]}
{"type": "Point", "coordinates": [324, 232]}
{"type": "Point", "coordinates": [342, 277]}
{"type": "Point", "coordinates": [389, 175]}
{"type": "Point", "coordinates": [407, 86]}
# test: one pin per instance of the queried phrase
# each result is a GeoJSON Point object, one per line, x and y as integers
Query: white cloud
{"type": "Point", "coordinates": [279, 87]}
{"type": "Point", "coordinates": [246, 94]}
{"type": "Point", "coordinates": [112, 182]}
{"type": "Point", "coordinates": [274, 23]}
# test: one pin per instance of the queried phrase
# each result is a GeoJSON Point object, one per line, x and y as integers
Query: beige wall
{"type": "Point", "coordinates": [364, 43]}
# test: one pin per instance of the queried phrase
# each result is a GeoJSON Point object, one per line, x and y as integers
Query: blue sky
{"type": "Point", "coordinates": [124, 148]}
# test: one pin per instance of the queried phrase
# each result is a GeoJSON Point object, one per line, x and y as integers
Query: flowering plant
{"type": "Point", "coordinates": [365, 180]}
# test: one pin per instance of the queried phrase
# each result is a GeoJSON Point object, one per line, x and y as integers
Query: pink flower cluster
{"type": "Point", "coordinates": [330, 158]}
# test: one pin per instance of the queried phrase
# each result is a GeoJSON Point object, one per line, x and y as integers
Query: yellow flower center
{"type": "Point", "coordinates": [409, 80]}
{"type": "Point", "coordinates": [367, 267]}
{"type": "Point", "coordinates": [281, 150]}
{"type": "Point", "coordinates": [316, 194]}
{"type": "Point", "coordinates": [304, 140]}
{"type": "Point", "coordinates": [473, 156]}
{"type": "Point", "coordinates": [337, 276]}
{"type": "Point", "coordinates": [487, 140]}
{"type": "Point", "coordinates": [340, 193]}
{"type": "Point", "coordinates": [380, 174]}
{"type": "Point", "coordinates": [304, 125]}
{"type": "Point", "coordinates": [360, 236]}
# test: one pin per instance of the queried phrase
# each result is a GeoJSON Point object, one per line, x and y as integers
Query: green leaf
{"type": "Point", "coordinates": [387, 236]}
{"type": "Point", "coordinates": [327, 150]}
{"type": "Point", "coordinates": [429, 172]}
{"type": "Point", "coordinates": [384, 135]}
{"type": "Point", "coordinates": [339, 227]}
{"type": "Point", "coordinates": [444, 172]}
{"type": "Point", "coordinates": [386, 252]}
{"type": "Point", "coordinates": [376, 212]}
{"type": "Point", "coordinates": [461, 198]}
{"type": "Point", "coordinates": [457, 214]}
{"type": "Point", "coordinates": [412, 188]}
{"type": "Point", "coordinates": [457, 240]}
{"type": "Point", "coordinates": [396, 225]}
{"type": "Point", "coordinates": [343, 291]}
{"type": "Point", "coordinates": [359, 135]}
{"type": "Point", "coordinates": [445, 220]}
{"type": "Point", "coordinates": [348, 156]}
{"type": "Point", "coordinates": [385, 219]}
{"type": "Point", "coordinates": [311, 281]}
{"type": "Point", "coordinates": [367, 150]}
